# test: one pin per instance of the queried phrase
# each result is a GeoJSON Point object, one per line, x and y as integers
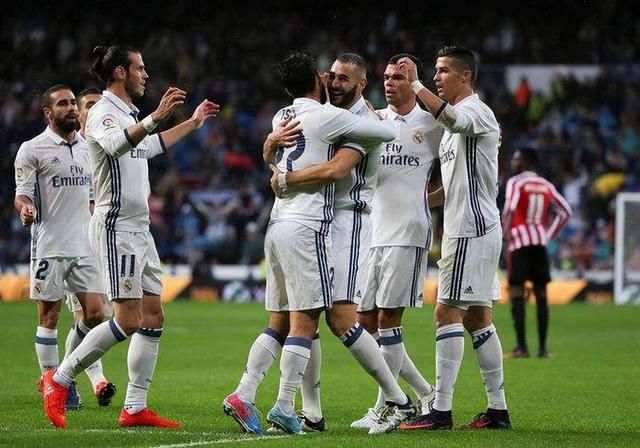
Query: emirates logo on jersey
{"type": "Point", "coordinates": [418, 137]}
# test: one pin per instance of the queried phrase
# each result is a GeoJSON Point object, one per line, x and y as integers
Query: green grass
{"type": "Point", "coordinates": [586, 395]}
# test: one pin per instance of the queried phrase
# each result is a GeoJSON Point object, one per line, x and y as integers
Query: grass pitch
{"type": "Point", "coordinates": [586, 395]}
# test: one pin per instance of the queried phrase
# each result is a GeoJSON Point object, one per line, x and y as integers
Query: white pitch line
{"type": "Point", "coordinates": [219, 442]}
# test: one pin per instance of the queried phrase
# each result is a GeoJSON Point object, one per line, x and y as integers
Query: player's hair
{"type": "Point", "coordinates": [108, 59]}
{"type": "Point", "coordinates": [354, 59]}
{"type": "Point", "coordinates": [298, 72]}
{"type": "Point", "coordinates": [47, 101]}
{"type": "Point", "coordinates": [419, 65]}
{"type": "Point", "coordinates": [464, 58]}
{"type": "Point", "coordinates": [88, 91]}
{"type": "Point", "coordinates": [529, 156]}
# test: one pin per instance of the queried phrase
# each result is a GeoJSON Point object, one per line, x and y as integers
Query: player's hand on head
{"type": "Point", "coordinates": [171, 99]}
{"type": "Point", "coordinates": [408, 69]}
{"type": "Point", "coordinates": [275, 186]}
{"type": "Point", "coordinates": [286, 134]}
{"type": "Point", "coordinates": [205, 110]}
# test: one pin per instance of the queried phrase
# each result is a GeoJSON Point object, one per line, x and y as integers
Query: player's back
{"type": "Point", "coordinates": [533, 195]}
{"type": "Point", "coordinates": [312, 207]}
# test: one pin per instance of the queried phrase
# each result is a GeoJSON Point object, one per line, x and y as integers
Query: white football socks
{"type": "Point", "coordinates": [263, 352]}
{"type": "Point", "coordinates": [293, 363]}
{"type": "Point", "coordinates": [93, 346]}
{"type": "Point", "coordinates": [141, 360]}
{"type": "Point", "coordinates": [449, 351]}
{"type": "Point", "coordinates": [310, 389]}
{"type": "Point", "coordinates": [75, 336]}
{"type": "Point", "coordinates": [364, 348]}
{"type": "Point", "coordinates": [46, 348]}
{"type": "Point", "coordinates": [486, 344]}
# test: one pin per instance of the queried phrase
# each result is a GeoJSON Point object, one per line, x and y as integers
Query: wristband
{"type": "Point", "coordinates": [149, 124]}
{"type": "Point", "coordinates": [416, 86]}
{"type": "Point", "coordinates": [282, 182]}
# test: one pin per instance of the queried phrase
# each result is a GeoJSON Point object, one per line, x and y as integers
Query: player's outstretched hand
{"type": "Point", "coordinates": [286, 134]}
{"type": "Point", "coordinates": [275, 186]}
{"type": "Point", "coordinates": [171, 99]}
{"type": "Point", "coordinates": [408, 69]}
{"type": "Point", "coordinates": [27, 215]}
{"type": "Point", "coordinates": [205, 110]}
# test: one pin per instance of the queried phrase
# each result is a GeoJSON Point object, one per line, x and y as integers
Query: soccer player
{"type": "Point", "coordinates": [530, 200]}
{"type": "Point", "coordinates": [401, 231]}
{"type": "Point", "coordinates": [119, 146]}
{"type": "Point", "coordinates": [53, 179]}
{"type": "Point", "coordinates": [103, 389]}
{"type": "Point", "coordinates": [471, 244]}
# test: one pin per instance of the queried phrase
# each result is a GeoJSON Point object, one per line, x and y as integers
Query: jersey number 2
{"type": "Point", "coordinates": [41, 273]}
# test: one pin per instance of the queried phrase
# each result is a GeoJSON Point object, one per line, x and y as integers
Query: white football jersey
{"type": "Point", "coordinates": [355, 191]}
{"type": "Point", "coordinates": [323, 128]}
{"type": "Point", "coordinates": [469, 165]}
{"type": "Point", "coordinates": [120, 170]}
{"type": "Point", "coordinates": [56, 176]}
{"type": "Point", "coordinates": [401, 215]}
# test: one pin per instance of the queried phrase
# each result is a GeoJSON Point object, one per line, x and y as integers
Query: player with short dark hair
{"type": "Point", "coordinates": [471, 243]}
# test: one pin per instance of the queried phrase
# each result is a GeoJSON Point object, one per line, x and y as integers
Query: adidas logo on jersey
{"type": "Point", "coordinates": [469, 290]}
{"type": "Point", "coordinates": [55, 160]}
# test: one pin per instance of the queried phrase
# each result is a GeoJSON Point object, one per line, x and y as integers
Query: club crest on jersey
{"type": "Point", "coordinates": [127, 285]}
{"type": "Point", "coordinates": [20, 174]}
{"type": "Point", "coordinates": [38, 287]}
{"type": "Point", "coordinates": [109, 122]}
{"type": "Point", "coordinates": [418, 137]}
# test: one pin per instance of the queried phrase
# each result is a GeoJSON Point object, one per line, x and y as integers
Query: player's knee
{"type": "Point", "coordinates": [49, 320]}
{"type": "Point", "coordinates": [369, 321]}
{"type": "Point", "coordinates": [336, 325]}
{"type": "Point", "coordinates": [93, 318]}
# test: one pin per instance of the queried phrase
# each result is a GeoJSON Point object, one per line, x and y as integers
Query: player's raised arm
{"type": "Point", "coordinates": [206, 109]}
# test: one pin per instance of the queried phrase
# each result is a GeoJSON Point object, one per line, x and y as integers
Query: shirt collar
{"type": "Point", "coordinates": [305, 100]}
{"type": "Point", "coordinates": [393, 116]}
{"type": "Point", "coordinates": [358, 105]}
{"type": "Point", "coordinates": [124, 107]}
{"type": "Point", "coordinates": [467, 98]}
{"type": "Point", "coordinates": [59, 141]}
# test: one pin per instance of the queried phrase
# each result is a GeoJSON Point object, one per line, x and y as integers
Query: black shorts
{"type": "Point", "coordinates": [529, 263]}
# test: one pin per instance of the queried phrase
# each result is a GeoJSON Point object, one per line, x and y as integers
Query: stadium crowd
{"type": "Point", "coordinates": [210, 196]}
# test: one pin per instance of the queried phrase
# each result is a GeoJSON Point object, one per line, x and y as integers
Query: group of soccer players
{"type": "Point", "coordinates": [349, 234]}
{"type": "Point", "coordinates": [109, 250]}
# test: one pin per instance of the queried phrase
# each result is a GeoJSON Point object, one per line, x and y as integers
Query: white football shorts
{"type": "Point", "coordinates": [51, 278]}
{"type": "Point", "coordinates": [130, 261]}
{"type": "Point", "coordinates": [351, 240]}
{"type": "Point", "coordinates": [299, 268]}
{"type": "Point", "coordinates": [395, 277]}
{"type": "Point", "coordinates": [467, 270]}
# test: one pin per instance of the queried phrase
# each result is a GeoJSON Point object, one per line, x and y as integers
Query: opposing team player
{"type": "Point", "coordinates": [472, 240]}
{"type": "Point", "coordinates": [530, 200]}
{"type": "Point", "coordinates": [119, 147]}
{"type": "Point", "coordinates": [53, 179]}
{"type": "Point", "coordinates": [397, 261]}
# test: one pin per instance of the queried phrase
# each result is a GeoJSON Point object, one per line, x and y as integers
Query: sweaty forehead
{"type": "Point", "coordinates": [62, 95]}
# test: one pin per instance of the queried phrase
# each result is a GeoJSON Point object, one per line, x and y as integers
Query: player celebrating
{"type": "Point", "coordinates": [119, 147]}
{"type": "Point", "coordinates": [53, 179]}
{"type": "Point", "coordinates": [401, 231]}
{"type": "Point", "coordinates": [467, 281]}
{"type": "Point", "coordinates": [530, 199]}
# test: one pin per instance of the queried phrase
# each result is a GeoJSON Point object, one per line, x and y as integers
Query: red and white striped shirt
{"type": "Point", "coordinates": [529, 201]}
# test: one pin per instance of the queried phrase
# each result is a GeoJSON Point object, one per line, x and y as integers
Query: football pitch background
{"type": "Point", "coordinates": [586, 395]}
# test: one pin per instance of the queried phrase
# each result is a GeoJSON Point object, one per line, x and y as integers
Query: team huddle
{"type": "Point", "coordinates": [349, 234]}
